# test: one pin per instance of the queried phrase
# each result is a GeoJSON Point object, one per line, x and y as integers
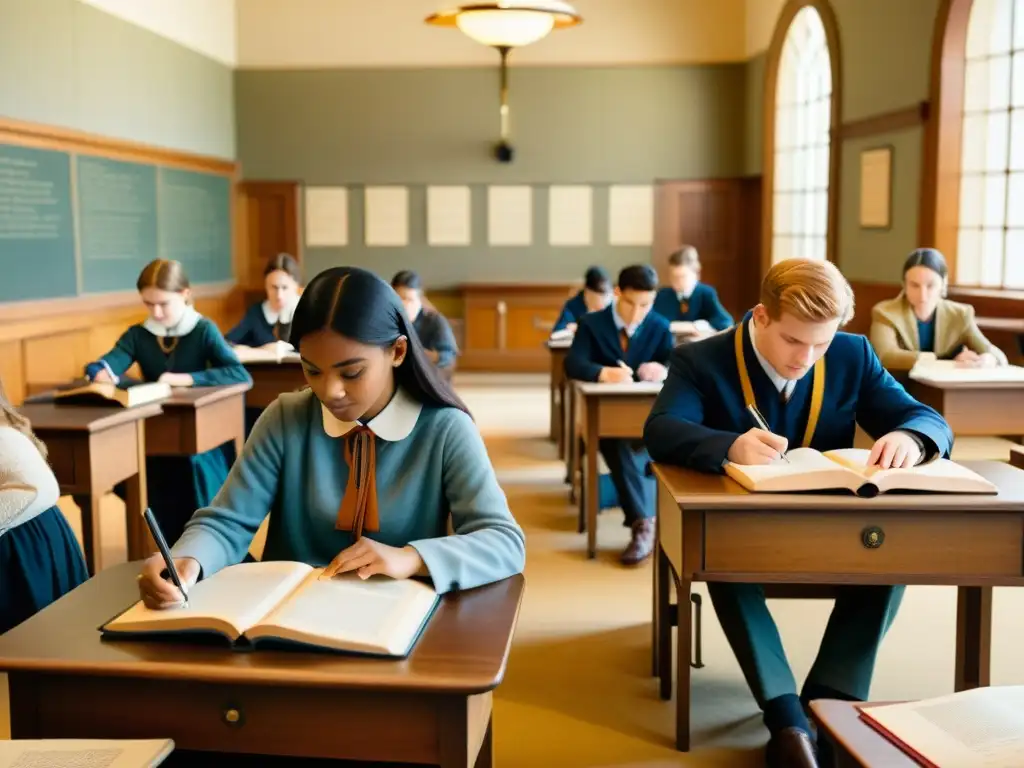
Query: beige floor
{"type": "Point", "coordinates": [577, 692]}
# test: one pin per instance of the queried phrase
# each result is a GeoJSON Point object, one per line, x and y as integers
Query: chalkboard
{"type": "Point", "coordinates": [74, 223]}
{"type": "Point", "coordinates": [37, 229]}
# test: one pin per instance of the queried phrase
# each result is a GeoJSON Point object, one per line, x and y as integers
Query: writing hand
{"type": "Point", "coordinates": [967, 358]}
{"type": "Point", "coordinates": [618, 375]}
{"type": "Point", "coordinates": [652, 372]}
{"type": "Point", "coordinates": [159, 592]}
{"type": "Point", "coordinates": [177, 379]}
{"type": "Point", "coordinates": [756, 446]}
{"type": "Point", "coordinates": [103, 375]}
{"type": "Point", "coordinates": [895, 450]}
{"type": "Point", "coordinates": [368, 557]}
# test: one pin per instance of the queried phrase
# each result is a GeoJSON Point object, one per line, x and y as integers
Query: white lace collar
{"type": "Point", "coordinates": [284, 316]}
{"type": "Point", "coordinates": [189, 319]}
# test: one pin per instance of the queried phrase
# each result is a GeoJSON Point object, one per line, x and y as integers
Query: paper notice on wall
{"type": "Point", "coordinates": [570, 215]}
{"type": "Point", "coordinates": [631, 215]}
{"type": "Point", "coordinates": [326, 210]}
{"type": "Point", "coordinates": [449, 216]}
{"type": "Point", "coordinates": [387, 216]}
{"type": "Point", "coordinates": [510, 215]}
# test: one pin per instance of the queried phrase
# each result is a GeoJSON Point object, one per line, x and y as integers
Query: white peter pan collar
{"type": "Point", "coordinates": [394, 423]}
{"type": "Point", "coordinates": [184, 326]}
{"type": "Point", "coordinates": [284, 316]}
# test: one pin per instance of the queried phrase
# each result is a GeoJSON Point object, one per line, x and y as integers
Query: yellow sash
{"type": "Point", "coordinates": [817, 390]}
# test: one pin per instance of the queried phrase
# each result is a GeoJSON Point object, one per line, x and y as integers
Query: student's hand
{"type": "Point", "coordinates": [894, 451]}
{"type": "Point", "coordinates": [368, 557]}
{"type": "Point", "coordinates": [618, 375]}
{"type": "Point", "coordinates": [103, 375]}
{"type": "Point", "coordinates": [652, 372]}
{"type": "Point", "coordinates": [432, 355]}
{"type": "Point", "coordinates": [571, 327]}
{"type": "Point", "coordinates": [177, 379]}
{"type": "Point", "coordinates": [967, 358]}
{"type": "Point", "coordinates": [987, 360]}
{"type": "Point", "coordinates": [757, 446]}
{"type": "Point", "coordinates": [160, 593]}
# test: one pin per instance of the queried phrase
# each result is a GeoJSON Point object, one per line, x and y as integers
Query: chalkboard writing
{"type": "Point", "coordinates": [195, 215]}
{"type": "Point", "coordinates": [37, 235]}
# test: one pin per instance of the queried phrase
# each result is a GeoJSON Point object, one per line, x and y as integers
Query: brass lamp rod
{"type": "Point", "coordinates": [504, 51]}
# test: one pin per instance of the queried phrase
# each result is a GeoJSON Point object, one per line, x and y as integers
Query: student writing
{"type": "Point", "coordinates": [178, 346]}
{"type": "Point", "coordinates": [432, 327]}
{"type": "Point", "coordinates": [687, 299]}
{"type": "Point", "coordinates": [813, 384]}
{"type": "Point", "coordinates": [270, 320]}
{"type": "Point", "coordinates": [373, 395]}
{"type": "Point", "coordinates": [594, 296]}
{"type": "Point", "coordinates": [920, 319]}
{"type": "Point", "coordinates": [626, 342]}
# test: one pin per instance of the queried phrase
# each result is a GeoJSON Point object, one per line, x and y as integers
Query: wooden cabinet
{"type": "Point", "coordinates": [505, 325]}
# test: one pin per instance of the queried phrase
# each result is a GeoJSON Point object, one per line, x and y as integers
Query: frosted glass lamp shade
{"type": "Point", "coordinates": [508, 23]}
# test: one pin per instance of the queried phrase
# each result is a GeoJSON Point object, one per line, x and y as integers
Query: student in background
{"type": "Point", "coordinates": [431, 326]}
{"type": "Point", "coordinates": [269, 321]}
{"type": "Point", "coordinates": [621, 343]}
{"type": "Point", "coordinates": [687, 299]}
{"type": "Point", "coordinates": [920, 319]}
{"type": "Point", "coordinates": [40, 559]}
{"type": "Point", "coordinates": [700, 420]}
{"type": "Point", "coordinates": [595, 296]}
{"type": "Point", "coordinates": [372, 394]}
{"type": "Point", "coordinates": [178, 346]}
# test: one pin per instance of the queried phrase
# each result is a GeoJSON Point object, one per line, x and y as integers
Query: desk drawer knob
{"type": "Point", "coordinates": [872, 537]}
{"type": "Point", "coordinates": [233, 717]}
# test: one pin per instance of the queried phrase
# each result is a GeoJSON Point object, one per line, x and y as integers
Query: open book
{"type": "Point", "coordinates": [286, 602]}
{"type": "Point", "coordinates": [846, 468]}
{"type": "Point", "coordinates": [277, 352]}
{"type": "Point", "coordinates": [690, 328]}
{"type": "Point", "coordinates": [927, 368]}
{"type": "Point", "coordinates": [84, 753]}
{"type": "Point", "coordinates": [979, 728]}
{"type": "Point", "coordinates": [105, 393]}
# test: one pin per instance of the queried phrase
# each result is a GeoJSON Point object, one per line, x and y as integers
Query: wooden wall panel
{"type": "Point", "coordinates": [12, 374]}
{"type": "Point", "coordinates": [57, 358]}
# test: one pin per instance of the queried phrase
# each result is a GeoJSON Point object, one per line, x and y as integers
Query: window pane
{"type": "Point", "coordinates": [992, 258]}
{"type": "Point", "coordinates": [781, 214]}
{"type": "Point", "coordinates": [796, 223]}
{"type": "Point", "coordinates": [1014, 277]}
{"type": "Point", "coordinates": [995, 201]}
{"type": "Point", "coordinates": [1015, 205]}
{"type": "Point", "coordinates": [997, 148]}
{"type": "Point", "coordinates": [968, 257]}
{"type": "Point", "coordinates": [821, 213]}
{"type": "Point", "coordinates": [1018, 73]}
{"type": "Point", "coordinates": [999, 82]}
{"type": "Point", "coordinates": [976, 85]}
{"type": "Point", "coordinates": [978, 28]}
{"type": "Point", "coordinates": [999, 26]}
{"type": "Point", "coordinates": [1017, 138]}
{"type": "Point", "coordinates": [780, 249]}
{"type": "Point", "coordinates": [1018, 26]}
{"type": "Point", "coordinates": [973, 143]}
{"type": "Point", "coordinates": [972, 199]}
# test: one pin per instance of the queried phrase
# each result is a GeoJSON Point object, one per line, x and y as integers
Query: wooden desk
{"type": "Point", "coordinates": [198, 419]}
{"type": "Point", "coordinates": [271, 379]}
{"type": "Point", "coordinates": [974, 409]}
{"type": "Point", "coordinates": [711, 529]}
{"type": "Point", "coordinates": [1017, 456]}
{"type": "Point", "coordinates": [91, 450]}
{"type": "Point", "coordinates": [558, 351]}
{"type": "Point", "coordinates": [433, 708]}
{"type": "Point", "coordinates": [1007, 324]}
{"type": "Point", "coordinates": [857, 744]}
{"type": "Point", "coordinates": [606, 410]}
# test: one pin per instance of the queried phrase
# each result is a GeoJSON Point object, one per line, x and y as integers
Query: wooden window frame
{"type": "Point", "coordinates": [782, 25]}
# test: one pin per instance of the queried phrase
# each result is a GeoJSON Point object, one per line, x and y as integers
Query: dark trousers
{"type": "Point", "coordinates": [627, 462]}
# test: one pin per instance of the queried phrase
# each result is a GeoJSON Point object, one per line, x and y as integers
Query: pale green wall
{"type": "Point", "coordinates": [68, 64]}
{"type": "Point", "coordinates": [753, 133]}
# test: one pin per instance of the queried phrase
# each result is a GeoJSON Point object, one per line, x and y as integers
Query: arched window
{"type": "Point", "coordinates": [801, 113]}
{"type": "Point", "coordinates": [990, 236]}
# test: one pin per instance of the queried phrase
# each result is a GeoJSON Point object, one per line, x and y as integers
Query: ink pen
{"type": "Point", "coordinates": [763, 425]}
{"type": "Point", "coordinates": [161, 543]}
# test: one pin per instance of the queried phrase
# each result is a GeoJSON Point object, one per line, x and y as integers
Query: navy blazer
{"type": "Point", "coordinates": [435, 334]}
{"type": "Point", "coordinates": [254, 330]}
{"type": "Point", "coordinates": [703, 304]}
{"type": "Point", "coordinates": [700, 411]}
{"type": "Point", "coordinates": [572, 311]}
{"type": "Point", "coordinates": [596, 345]}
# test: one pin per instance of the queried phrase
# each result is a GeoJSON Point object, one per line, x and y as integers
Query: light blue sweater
{"type": "Point", "coordinates": [293, 469]}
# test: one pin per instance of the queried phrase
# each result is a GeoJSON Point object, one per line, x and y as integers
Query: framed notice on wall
{"type": "Point", "coordinates": [876, 188]}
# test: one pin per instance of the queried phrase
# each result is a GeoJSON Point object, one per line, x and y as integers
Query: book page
{"type": "Point", "coordinates": [229, 602]}
{"type": "Point", "coordinates": [83, 753]}
{"type": "Point", "coordinates": [940, 475]}
{"type": "Point", "coordinates": [805, 470]}
{"type": "Point", "coordinates": [378, 615]}
{"type": "Point", "coordinates": [979, 728]}
{"type": "Point", "coordinates": [947, 371]}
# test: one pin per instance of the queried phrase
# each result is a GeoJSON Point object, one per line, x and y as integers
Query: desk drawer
{"type": "Point", "coordinates": [911, 543]}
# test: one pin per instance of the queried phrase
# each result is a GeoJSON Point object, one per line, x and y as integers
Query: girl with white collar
{"type": "Point", "coordinates": [40, 559]}
{"type": "Point", "coordinates": [268, 322]}
{"type": "Point", "coordinates": [180, 347]}
{"type": "Point", "coordinates": [362, 471]}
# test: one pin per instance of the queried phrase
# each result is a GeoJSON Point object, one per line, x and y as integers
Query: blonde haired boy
{"type": "Point", "coordinates": [700, 420]}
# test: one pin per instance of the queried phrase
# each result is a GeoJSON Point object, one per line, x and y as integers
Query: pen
{"type": "Point", "coordinates": [161, 544]}
{"type": "Point", "coordinates": [763, 424]}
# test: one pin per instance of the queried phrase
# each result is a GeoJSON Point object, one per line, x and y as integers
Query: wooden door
{"type": "Point", "coordinates": [271, 213]}
{"type": "Point", "coordinates": [721, 219]}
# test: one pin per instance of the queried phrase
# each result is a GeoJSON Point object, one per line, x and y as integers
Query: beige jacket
{"type": "Point", "coordinates": [894, 333]}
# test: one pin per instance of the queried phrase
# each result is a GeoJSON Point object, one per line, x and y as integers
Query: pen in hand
{"type": "Point", "coordinates": [165, 552]}
{"type": "Point", "coordinates": [762, 424]}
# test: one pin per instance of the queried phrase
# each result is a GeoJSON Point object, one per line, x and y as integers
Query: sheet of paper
{"type": "Point", "coordinates": [84, 753]}
{"type": "Point", "coordinates": [630, 215]}
{"type": "Point", "coordinates": [326, 211]}
{"type": "Point", "coordinates": [570, 215]}
{"type": "Point", "coordinates": [387, 216]}
{"type": "Point", "coordinates": [449, 216]}
{"type": "Point", "coordinates": [510, 215]}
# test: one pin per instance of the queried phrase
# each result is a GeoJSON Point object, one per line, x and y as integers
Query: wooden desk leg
{"type": "Point", "coordinates": [663, 641]}
{"type": "Point", "coordinates": [485, 758]}
{"type": "Point", "coordinates": [92, 544]}
{"type": "Point", "coordinates": [973, 637]}
{"type": "Point", "coordinates": [553, 401]}
{"type": "Point", "coordinates": [465, 722]}
{"type": "Point", "coordinates": [591, 494]}
{"type": "Point", "coordinates": [684, 639]}
{"type": "Point", "coordinates": [655, 604]}
{"type": "Point", "coordinates": [140, 540]}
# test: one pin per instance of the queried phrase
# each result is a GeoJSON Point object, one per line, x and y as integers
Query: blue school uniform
{"type": "Point", "coordinates": [435, 334]}
{"type": "Point", "coordinates": [698, 415]}
{"type": "Point", "coordinates": [572, 311]}
{"type": "Point", "coordinates": [596, 345]}
{"type": "Point", "coordinates": [701, 304]}
{"type": "Point", "coordinates": [179, 485]}
{"type": "Point", "coordinates": [926, 334]}
{"type": "Point", "coordinates": [261, 325]}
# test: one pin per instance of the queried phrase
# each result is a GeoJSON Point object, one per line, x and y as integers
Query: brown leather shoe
{"type": "Point", "coordinates": [791, 748]}
{"type": "Point", "coordinates": [641, 545]}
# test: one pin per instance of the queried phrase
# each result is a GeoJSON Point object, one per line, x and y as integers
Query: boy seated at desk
{"type": "Point", "coordinates": [626, 342]}
{"type": "Point", "coordinates": [431, 326]}
{"type": "Point", "coordinates": [686, 299]}
{"type": "Point", "coordinates": [595, 296]}
{"type": "Point", "coordinates": [700, 421]}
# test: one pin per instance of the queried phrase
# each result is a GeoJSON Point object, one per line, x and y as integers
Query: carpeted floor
{"type": "Point", "coordinates": [578, 691]}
